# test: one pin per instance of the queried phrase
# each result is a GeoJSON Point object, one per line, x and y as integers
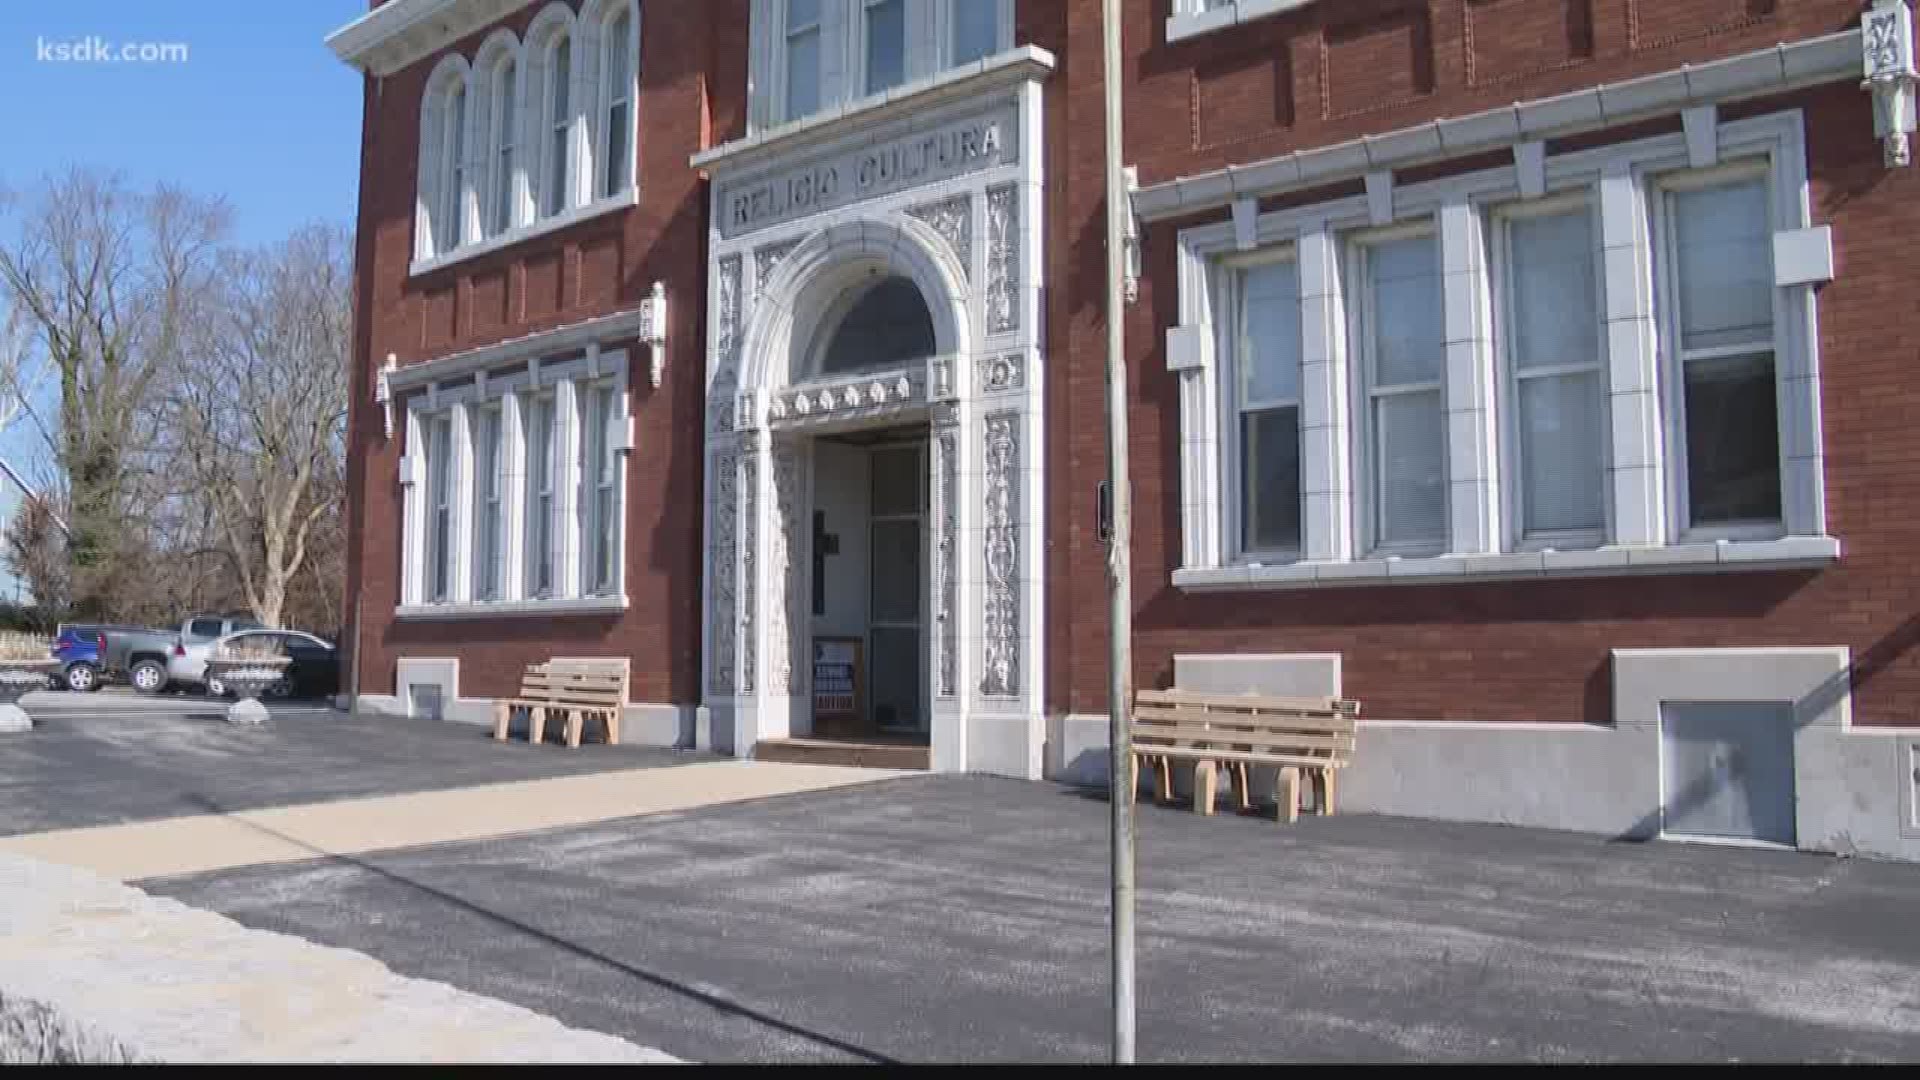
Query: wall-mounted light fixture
{"type": "Point", "coordinates": [653, 331]}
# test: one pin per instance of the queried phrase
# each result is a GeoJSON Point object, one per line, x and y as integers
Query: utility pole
{"type": "Point", "coordinates": [1119, 551]}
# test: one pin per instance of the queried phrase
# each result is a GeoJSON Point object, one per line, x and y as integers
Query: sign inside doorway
{"type": "Point", "coordinates": [836, 680]}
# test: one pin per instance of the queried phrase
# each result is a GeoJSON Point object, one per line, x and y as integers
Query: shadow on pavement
{"type": "Point", "coordinates": [713, 1001]}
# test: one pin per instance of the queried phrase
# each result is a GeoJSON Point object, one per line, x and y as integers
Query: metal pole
{"type": "Point", "coordinates": [1119, 584]}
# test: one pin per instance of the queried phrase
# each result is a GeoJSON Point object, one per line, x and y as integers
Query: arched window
{"type": "Point", "coordinates": [886, 325]}
{"type": "Point", "coordinates": [443, 175]}
{"type": "Point", "coordinates": [553, 112]}
{"type": "Point", "coordinates": [503, 115]}
{"type": "Point", "coordinates": [619, 70]}
{"type": "Point", "coordinates": [558, 181]}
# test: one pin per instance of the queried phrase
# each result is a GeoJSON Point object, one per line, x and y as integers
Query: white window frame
{"type": "Point", "coordinates": [784, 33]}
{"type": "Point", "coordinates": [1674, 356]}
{"type": "Point", "coordinates": [503, 166]}
{"type": "Point", "coordinates": [843, 55]}
{"type": "Point", "coordinates": [1512, 453]}
{"type": "Point", "coordinates": [863, 40]}
{"type": "Point", "coordinates": [945, 25]}
{"type": "Point", "coordinates": [599, 479]}
{"type": "Point", "coordinates": [607, 95]}
{"type": "Point", "coordinates": [489, 498]}
{"type": "Point", "coordinates": [436, 194]}
{"type": "Point", "coordinates": [1367, 487]}
{"type": "Point", "coordinates": [541, 486]}
{"type": "Point", "coordinates": [1623, 180]}
{"type": "Point", "coordinates": [1190, 18]}
{"type": "Point", "coordinates": [441, 451]}
{"type": "Point", "coordinates": [533, 131]}
{"type": "Point", "coordinates": [1231, 347]}
{"type": "Point", "coordinates": [466, 404]}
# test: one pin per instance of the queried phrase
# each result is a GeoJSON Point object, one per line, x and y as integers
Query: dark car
{"type": "Point", "coordinates": [314, 672]}
{"type": "Point", "coordinates": [81, 651]}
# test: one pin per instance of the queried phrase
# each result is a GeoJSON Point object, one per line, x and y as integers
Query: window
{"type": "Point", "coordinates": [489, 481]}
{"type": "Point", "coordinates": [440, 507]}
{"type": "Point", "coordinates": [975, 30]}
{"type": "Point", "coordinates": [598, 467]}
{"type": "Point", "coordinates": [504, 110]}
{"type": "Point", "coordinates": [557, 185]}
{"type": "Point", "coordinates": [1398, 341]}
{"type": "Point", "coordinates": [803, 36]}
{"type": "Point", "coordinates": [540, 496]}
{"type": "Point", "coordinates": [616, 120]}
{"type": "Point", "coordinates": [1263, 346]}
{"type": "Point", "coordinates": [1719, 357]}
{"type": "Point", "coordinates": [886, 44]}
{"type": "Point", "coordinates": [204, 628]}
{"type": "Point", "coordinates": [886, 325]}
{"type": "Point", "coordinates": [448, 218]}
{"type": "Point", "coordinates": [1550, 338]}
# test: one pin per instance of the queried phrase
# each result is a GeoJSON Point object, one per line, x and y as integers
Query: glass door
{"type": "Point", "coordinates": [894, 652]}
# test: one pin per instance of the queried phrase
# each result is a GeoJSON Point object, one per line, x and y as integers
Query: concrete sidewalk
{"type": "Point", "coordinates": [221, 841]}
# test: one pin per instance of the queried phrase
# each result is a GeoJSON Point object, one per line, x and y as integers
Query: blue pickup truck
{"type": "Point", "coordinates": [92, 654]}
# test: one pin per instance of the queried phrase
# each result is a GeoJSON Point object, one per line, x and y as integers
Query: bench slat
{"type": "Point", "coordinates": [1268, 721]}
{"type": "Point", "coordinates": [1252, 740]}
{"type": "Point", "coordinates": [1189, 753]}
{"type": "Point", "coordinates": [1247, 701]}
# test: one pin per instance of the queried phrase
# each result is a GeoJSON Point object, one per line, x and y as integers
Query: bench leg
{"type": "Point", "coordinates": [536, 724]}
{"type": "Point", "coordinates": [1166, 780]}
{"type": "Point", "coordinates": [502, 713]}
{"type": "Point", "coordinates": [1203, 787]}
{"type": "Point", "coordinates": [1327, 778]}
{"type": "Point", "coordinates": [1133, 778]}
{"type": "Point", "coordinates": [1242, 783]}
{"type": "Point", "coordinates": [1287, 795]}
{"type": "Point", "coordinates": [576, 719]}
{"type": "Point", "coordinates": [613, 727]}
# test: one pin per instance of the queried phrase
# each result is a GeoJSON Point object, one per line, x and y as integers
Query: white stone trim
{"type": "Point", "coordinates": [539, 226]}
{"type": "Point", "coordinates": [1190, 20]}
{"type": "Point", "coordinates": [1787, 66]}
{"type": "Point", "coordinates": [1793, 552]}
{"type": "Point", "coordinates": [980, 78]}
{"type": "Point", "coordinates": [399, 32]}
{"type": "Point", "coordinates": [1619, 178]}
{"type": "Point", "coordinates": [573, 337]}
{"type": "Point", "coordinates": [482, 609]}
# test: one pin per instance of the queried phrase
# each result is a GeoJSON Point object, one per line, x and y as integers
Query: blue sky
{"type": "Point", "coordinates": [259, 112]}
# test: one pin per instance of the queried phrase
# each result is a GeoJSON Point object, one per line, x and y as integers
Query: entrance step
{"type": "Point", "coordinates": [857, 753]}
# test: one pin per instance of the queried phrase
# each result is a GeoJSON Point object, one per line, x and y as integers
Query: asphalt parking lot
{"type": "Point", "coordinates": [113, 756]}
{"type": "Point", "coordinates": [964, 918]}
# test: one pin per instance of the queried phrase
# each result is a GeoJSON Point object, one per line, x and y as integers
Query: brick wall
{"type": "Point", "coordinates": [1516, 651]}
{"type": "Point", "coordinates": [692, 89]}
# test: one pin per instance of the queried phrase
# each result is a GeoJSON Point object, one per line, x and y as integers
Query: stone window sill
{"type": "Point", "coordinates": [489, 609]}
{"type": "Point", "coordinates": [1185, 24]}
{"type": "Point", "coordinates": [536, 228]}
{"type": "Point", "coordinates": [1793, 552]}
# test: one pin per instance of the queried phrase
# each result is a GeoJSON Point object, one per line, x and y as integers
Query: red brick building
{"type": "Point", "coordinates": [1526, 369]}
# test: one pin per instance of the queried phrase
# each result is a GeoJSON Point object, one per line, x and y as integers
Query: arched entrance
{"type": "Point", "coordinates": [873, 511]}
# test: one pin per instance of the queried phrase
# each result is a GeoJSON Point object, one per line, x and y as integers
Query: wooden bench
{"type": "Point", "coordinates": [574, 689]}
{"type": "Point", "coordinates": [1310, 736]}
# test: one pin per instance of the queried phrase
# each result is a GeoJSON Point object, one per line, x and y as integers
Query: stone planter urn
{"type": "Point", "coordinates": [18, 678]}
{"type": "Point", "coordinates": [248, 678]}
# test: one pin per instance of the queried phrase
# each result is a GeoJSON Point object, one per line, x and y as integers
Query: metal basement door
{"type": "Point", "coordinates": [1727, 771]}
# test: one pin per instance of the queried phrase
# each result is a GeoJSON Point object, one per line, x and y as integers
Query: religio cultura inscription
{"type": "Point", "coordinates": [923, 157]}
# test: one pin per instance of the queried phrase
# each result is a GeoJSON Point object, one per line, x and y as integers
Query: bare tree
{"type": "Point", "coordinates": [257, 414]}
{"type": "Point", "coordinates": [110, 281]}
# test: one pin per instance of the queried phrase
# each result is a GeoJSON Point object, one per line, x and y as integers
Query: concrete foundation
{"type": "Point", "coordinates": [1858, 789]}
